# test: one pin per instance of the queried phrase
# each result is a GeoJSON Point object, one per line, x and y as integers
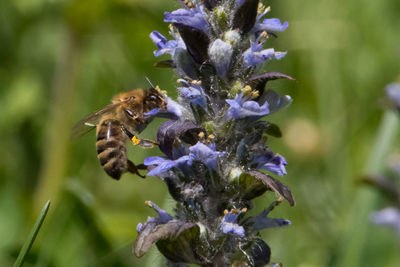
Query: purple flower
{"type": "Point", "coordinates": [273, 163]}
{"type": "Point", "coordinates": [242, 107]}
{"type": "Point", "coordinates": [175, 137]}
{"type": "Point", "coordinates": [395, 166]}
{"type": "Point", "coordinates": [183, 62]}
{"type": "Point", "coordinates": [262, 221]}
{"type": "Point", "coordinates": [255, 55]}
{"type": "Point", "coordinates": [139, 227]}
{"type": "Point", "coordinates": [271, 25]}
{"type": "Point", "coordinates": [393, 93]}
{"type": "Point", "coordinates": [275, 101]}
{"type": "Point", "coordinates": [389, 216]}
{"type": "Point", "coordinates": [174, 110]}
{"type": "Point", "coordinates": [199, 152]}
{"type": "Point", "coordinates": [164, 46]}
{"type": "Point", "coordinates": [206, 154]}
{"type": "Point", "coordinates": [229, 225]}
{"type": "Point", "coordinates": [193, 93]}
{"type": "Point", "coordinates": [163, 216]}
{"type": "Point", "coordinates": [193, 17]}
{"type": "Point", "coordinates": [217, 48]}
{"type": "Point", "coordinates": [164, 164]}
{"type": "Point", "coordinates": [220, 54]}
{"type": "Point", "coordinates": [277, 165]}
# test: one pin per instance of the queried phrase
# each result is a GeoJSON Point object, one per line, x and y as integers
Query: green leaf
{"type": "Point", "coordinates": [274, 185]}
{"type": "Point", "coordinates": [182, 247]}
{"type": "Point", "coordinates": [196, 41]}
{"type": "Point", "coordinates": [245, 16]}
{"type": "Point", "coordinates": [273, 130]}
{"type": "Point", "coordinates": [250, 187]}
{"type": "Point", "coordinates": [253, 184]}
{"type": "Point", "coordinates": [32, 236]}
{"type": "Point", "coordinates": [152, 232]}
{"type": "Point", "coordinates": [259, 82]}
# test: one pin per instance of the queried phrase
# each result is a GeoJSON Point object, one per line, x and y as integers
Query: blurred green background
{"type": "Point", "coordinates": [60, 60]}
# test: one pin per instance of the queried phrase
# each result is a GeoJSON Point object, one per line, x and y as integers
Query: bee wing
{"type": "Point", "coordinates": [90, 121]}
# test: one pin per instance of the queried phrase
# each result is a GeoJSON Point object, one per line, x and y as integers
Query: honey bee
{"type": "Point", "coordinates": [116, 123]}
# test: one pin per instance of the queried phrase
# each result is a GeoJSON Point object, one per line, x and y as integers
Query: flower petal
{"type": "Point", "coordinates": [393, 93]}
{"type": "Point", "coordinates": [242, 108]}
{"type": "Point", "coordinates": [262, 221]}
{"type": "Point", "coordinates": [205, 154]}
{"type": "Point", "coordinates": [162, 167]}
{"type": "Point", "coordinates": [164, 46]}
{"type": "Point", "coordinates": [389, 216]}
{"type": "Point", "coordinates": [230, 226]}
{"type": "Point", "coordinates": [272, 25]}
{"type": "Point", "coordinates": [254, 55]}
{"type": "Point", "coordinates": [193, 93]}
{"type": "Point", "coordinates": [276, 165]}
{"type": "Point", "coordinates": [193, 17]}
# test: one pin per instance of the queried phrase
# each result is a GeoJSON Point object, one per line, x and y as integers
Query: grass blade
{"type": "Point", "coordinates": [355, 239]}
{"type": "Point", "coordinates": [32, 236]}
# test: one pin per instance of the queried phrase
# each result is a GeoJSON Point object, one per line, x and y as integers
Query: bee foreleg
{"type": "Point", "coordinates": [134, 169]}
{"type": "Point", "coordinates": [145, 143]}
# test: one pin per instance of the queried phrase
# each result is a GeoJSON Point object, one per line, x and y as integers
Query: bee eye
{"type": "Point", "coordinates": [129, 113]}
{"type": "Point", "coordinates": [153, 97]}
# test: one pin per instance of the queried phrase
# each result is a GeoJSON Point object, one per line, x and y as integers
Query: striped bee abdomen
{"type": "Point", "coordinates": [111, 149]}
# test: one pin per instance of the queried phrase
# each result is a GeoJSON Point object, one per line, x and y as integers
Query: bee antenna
{"type": "Point", "coordinates": [148, 80]}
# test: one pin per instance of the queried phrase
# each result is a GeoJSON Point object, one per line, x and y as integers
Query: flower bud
{"type": "Point", "coordinates": [220, 54]}
{"type": "Point", "coordinates": [235, 173]}
{"type": "Point", "coordinates": [232, 37]}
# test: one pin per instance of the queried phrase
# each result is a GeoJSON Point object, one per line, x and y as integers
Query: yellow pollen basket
{"type": "Point", "coordinates": [135, 140]}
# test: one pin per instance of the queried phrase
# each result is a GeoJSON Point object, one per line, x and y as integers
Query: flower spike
{"type": "Point", "coordinates": [214, 143]}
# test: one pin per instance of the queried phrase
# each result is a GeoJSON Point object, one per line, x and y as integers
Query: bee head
{"type": "Point", "coordinates": [154, 99]}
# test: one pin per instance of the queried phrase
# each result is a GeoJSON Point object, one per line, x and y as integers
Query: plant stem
{"type": "Point", "coordinates": [355, 237]}
{"type": "Point", "coordinates": [55, 159]}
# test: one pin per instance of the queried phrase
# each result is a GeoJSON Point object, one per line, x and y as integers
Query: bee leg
{"type": "Point", "coordinates": [141, 167]}
{"type": "Point", "coordinates": [134, 169]}
{"type": "Point", "coordinates": [145, 143]}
